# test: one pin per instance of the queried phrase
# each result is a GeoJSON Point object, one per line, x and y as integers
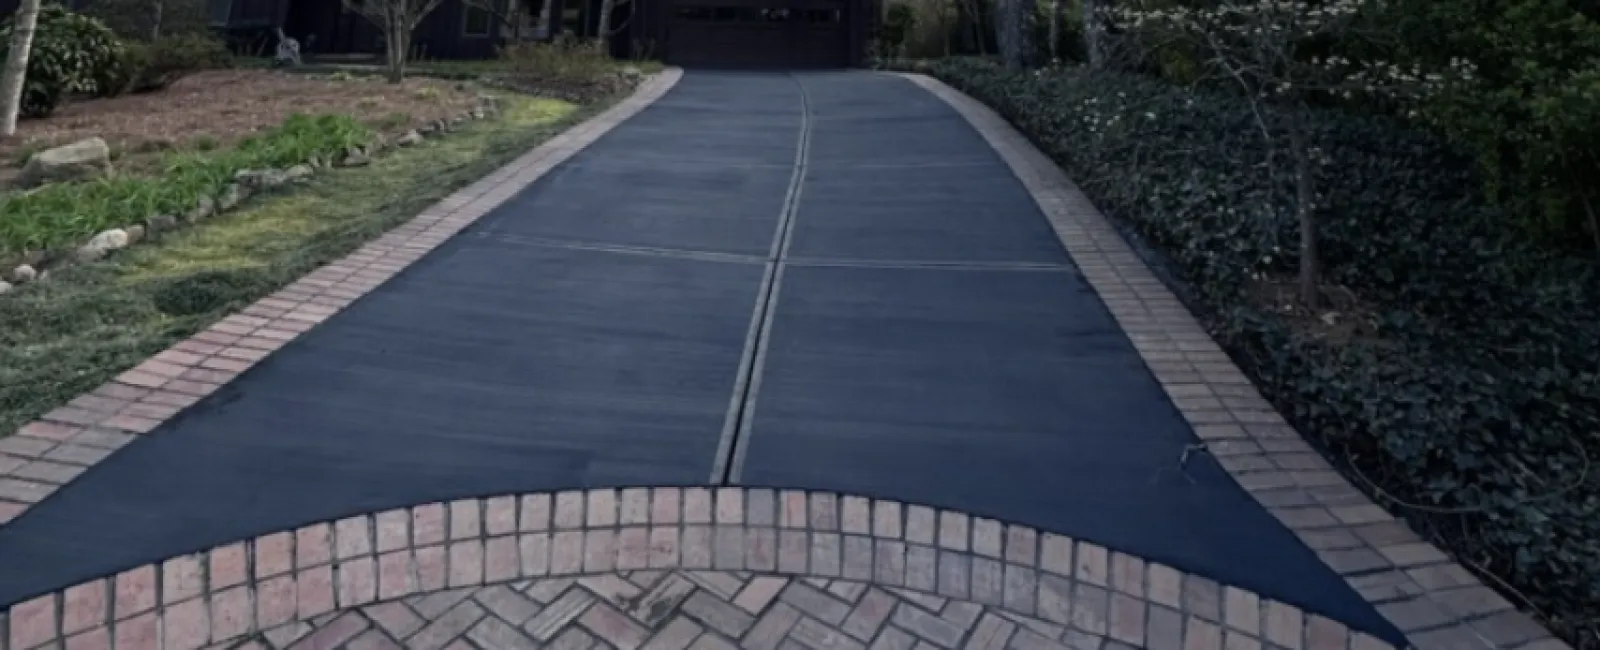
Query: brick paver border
{"type": "Point", "coordinates": [46, 454]}
{"type": "Point", "coordinates": [281, 585]}
{"type": "Point", "coordinates": [1434, 600]}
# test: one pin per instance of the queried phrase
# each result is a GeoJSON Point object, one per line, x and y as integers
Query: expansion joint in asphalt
{"type": "Point", "coordinates": [731, 449]}
{"type": "Point", "coordinates": [623, 249]}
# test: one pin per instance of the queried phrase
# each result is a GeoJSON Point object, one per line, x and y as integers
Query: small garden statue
{"type": "Point", "coordinates": [288, 53]}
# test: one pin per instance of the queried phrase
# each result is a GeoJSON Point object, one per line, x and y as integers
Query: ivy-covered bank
{"type": "Point", "coordinates": [1456, 375]}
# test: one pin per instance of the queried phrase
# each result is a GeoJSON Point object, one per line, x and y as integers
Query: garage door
{"type": "Point", "coordinates": [758, 34]}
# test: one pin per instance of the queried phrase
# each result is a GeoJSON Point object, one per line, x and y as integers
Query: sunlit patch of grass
{"type": "Point", "coordinates": [87, 323]}
{"type": "Point", "coordinates": [62, 214]}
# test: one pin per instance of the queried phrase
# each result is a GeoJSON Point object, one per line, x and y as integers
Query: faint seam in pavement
{"type": "Point", "coordinates": [736, 428]}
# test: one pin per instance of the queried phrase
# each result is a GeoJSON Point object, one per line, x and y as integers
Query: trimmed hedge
{"type": "Point", "coordinates": [1474, 395]}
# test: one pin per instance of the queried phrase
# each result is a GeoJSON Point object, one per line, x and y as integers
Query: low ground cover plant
{"type": "Point", "coordinates": [1453, 367]}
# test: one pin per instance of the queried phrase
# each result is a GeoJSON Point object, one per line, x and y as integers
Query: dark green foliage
{"type": "Point", "coordinates": [209, 291]}
{"type": "Point", "coordinates": [146, 20]}
{"type": "Point", "coordinates": [71, 54]}
{"type": "Point", "coordinates": [1473, 392]}
{"type": "Point", "coordinates": [152, 66]}
{"type": "Point", "coordinates": [897, 25]}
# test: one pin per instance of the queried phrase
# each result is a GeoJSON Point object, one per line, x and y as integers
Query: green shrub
{"type": "Point", "coordinates": [567, 60]}
{"type": "Point", "coordinates": [897, 26]}
{"type": "Point", "coordinates": [63, 215]}
{"type": "Point", "coordinates": [71, 54]}
{"type": "Point", "coordinates": [152, 66]}
{"type": "Point", "coordinates": [151, 19]}
{"type": "Point", "coordinates": [1475, 392]}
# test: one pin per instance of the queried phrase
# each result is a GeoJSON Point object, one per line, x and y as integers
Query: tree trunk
{"type": "Point", "coordinates": [16, 70]}
{"type": "Point", "coordinates": [155, 29]}
{"type": "Point", "coordinates": [602, 32]}
{"type": "Point", "coordinates": [1305, 213]}
{"type": "Point", "coordinates": [397, 36]}
{"type": "Point", "coordinates": [546, 27]}
{"type": "Point", "coordinates": [1093, 50]}
{"type": "Point", "coordinates": [1057, 13]}
{"type": "Point", "coordinates": [1015, 45]}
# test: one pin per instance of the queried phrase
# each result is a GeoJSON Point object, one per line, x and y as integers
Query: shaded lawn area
{"type": "Point", "coordinates": [87, 323]}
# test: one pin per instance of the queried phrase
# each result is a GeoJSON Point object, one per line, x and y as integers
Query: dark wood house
{"type": "Point", "coordinates": [691, 33]}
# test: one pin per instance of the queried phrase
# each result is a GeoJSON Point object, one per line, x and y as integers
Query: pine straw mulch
{"type": "Point", "coordinates": [219, 107]}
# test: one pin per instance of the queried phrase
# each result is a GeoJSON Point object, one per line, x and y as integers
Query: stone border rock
{"type": "Point", "coordinates": [299, 577]}
{"type": "Point", "coordinates": [1434, 600]}
{"type": "Point", "coordinates": [246, 182]}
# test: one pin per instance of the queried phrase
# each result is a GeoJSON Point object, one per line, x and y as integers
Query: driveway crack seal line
{"type": "Point", "coordinates": [736, 427]}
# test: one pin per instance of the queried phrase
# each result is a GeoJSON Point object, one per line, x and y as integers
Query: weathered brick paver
{"type": "Point", "coordinates": [330, 586]}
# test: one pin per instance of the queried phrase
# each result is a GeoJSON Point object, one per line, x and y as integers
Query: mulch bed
{"type": "Point", "coordinates": [224, 106]}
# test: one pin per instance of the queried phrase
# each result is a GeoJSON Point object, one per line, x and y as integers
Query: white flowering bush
{"type": "Point", "coordinates": [1259, 48]}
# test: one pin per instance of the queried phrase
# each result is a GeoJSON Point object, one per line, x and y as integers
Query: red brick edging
{"type": "Point", "coordinates": [275, 589]}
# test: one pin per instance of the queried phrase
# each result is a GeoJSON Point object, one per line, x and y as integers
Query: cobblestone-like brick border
{"type": "Point", "coordinates": [1435, 601]}
{"type": "Point", "coordinates": [942, 579]}
{"type": "Point", "coordinates": [46, 454]}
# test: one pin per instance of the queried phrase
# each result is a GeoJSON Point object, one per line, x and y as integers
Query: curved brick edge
{"type": "Point", "coordinates": [48, 453]}
{"type": "Point", "coordinates": [1435, 601]}
{"type": "Point", "coordinates": [247, 589]}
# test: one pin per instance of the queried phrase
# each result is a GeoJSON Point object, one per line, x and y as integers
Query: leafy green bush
{"type": "Point", "coordinates": [568, 60]}
{"type": "Point", "coordinates": [71, 54]}
{"type": "Point", "coordinates": [1472, 396]}
{"type": "Point", "coordinates": [66, 214]}
{"type": "Point", "coordinates": [1532, 117]}
{"type": "Point", "coordinates": [152, 66]}
{"type": "Point", "coordinates": [145, 20]}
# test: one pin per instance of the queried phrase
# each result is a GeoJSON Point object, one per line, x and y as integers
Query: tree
{"type": "Point", "coordinates": [397, 19]}
{"type": "Point", "coordinates": [16, 70]}
{"type": "Point", "coordinates": [508, 13]}
{"type": "Point", "coordinates": [603, 28]}
{"type": "Point", "coordinates": [1015, 33]}
{"type": "Point", "coordinates": [548, 26]}
{"type": "Point", "coordinates": [1093, 51]}
{"type": "Point", "coordinates": [1258, 46]}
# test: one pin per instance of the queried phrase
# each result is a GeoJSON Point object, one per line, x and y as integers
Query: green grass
{"type": "Point", "coordinates": [87, 323]}
{"type": "Point", "coordinates": [61, 215]}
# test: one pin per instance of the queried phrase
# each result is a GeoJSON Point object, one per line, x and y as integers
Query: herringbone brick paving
{"type": "Point", "coordinates": [675, 610]}
{"type": "Point", "coordinates": [665, 568]}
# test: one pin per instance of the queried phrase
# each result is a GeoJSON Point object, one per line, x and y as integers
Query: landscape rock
{"type": "Point", "coordinates": [23, 274]}
{"type": "Point", "coordinates": [231, 197]}
{"type": "Point", "coordinates": [105, 242]}
{"type": "Point", "coordinates": [135, 233]}
{"type": "Point", "coordinates": [161, 223]}
{"type": "Point", "coordinates": [261, 178]}
{"type": "Point", "coordinates": [5, 287]}
{"type": "Point", "coordinates": [479, 113]}
{"type": "Point", "coordinates": [203, 208]}
{"type": "Point", "coordinates": [411, 138]}
{"type": "Point", "coordinates": [632, 72]}
{"type": "Point", "coordinates": [80, 160]}
{"type": "Point", "coordinates": [354, 157]}
{"type": "Point", "coordinates": [299, 172]}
